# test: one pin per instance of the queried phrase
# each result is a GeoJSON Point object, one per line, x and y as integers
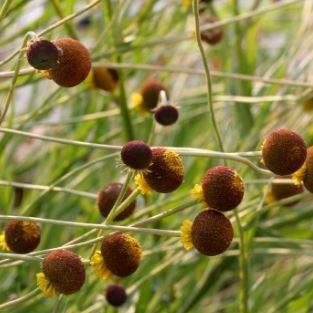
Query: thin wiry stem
{"type": "Point", "coordinates": [152, 231]}
{"type": "Point", "coordinates": [239, 157]}
{"type": "Point", "coordinates": [42, 187]}
{"type": "Point", "coordinates": [208, 75]}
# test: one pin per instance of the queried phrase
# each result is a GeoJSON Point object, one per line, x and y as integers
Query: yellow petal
{"type": "Point", "coordinates": [99, 266]}
{"type": "Point", "coordinates": [45, 286]}
{"type": "Point", "coordinates": [186, 234]}
{"type": "Point", "coordinates": [145, 189]}
{"type": "Point", "coordinates": [298, 176]}
{"type": "Point", "coordinates": [3, 243]}
{"type": "Point", "coordinates": [136, 102]}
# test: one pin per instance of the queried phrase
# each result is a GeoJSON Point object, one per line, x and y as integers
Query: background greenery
{"type": "Point", "coordinates": [273, 47]}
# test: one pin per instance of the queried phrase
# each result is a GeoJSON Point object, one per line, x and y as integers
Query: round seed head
{"type": "Point", "coordinates": [64, 270]}
{"type": "Point", "coordinates": [166, 172]}
{"type": "Point", "coordinates": [283, 191]}
{"type": "Point", "coordinates": [136, 155]}
{"type": "Point", "coordinates": [283, 152]}
{"type": "Point", "coordinates": [105, 78]}
{"type": "Point", "coordinates": [150, 91]}
{"type": "Point", "coordinates": [108, 196]}
{"type": "Point", "coordinates": [308, 176]}
{"type": "Point", "coordinates": [211, 232]}
{"type": "Point", "coordinates": [42, 55]}
{"type": "Point", "coordinates": [166, 115]}
{"type": "Point", "coordinates": [211, 36]}
{"type": "Point", "coordinates": [116, 295]}
{"type": "Point", "coordinates": [74, 63]}
{"type": "Point", "coordinates": [222, 188]}
{"type": "Point", "coordinates": [22, 236]}
{"type": "Point", "coordinates": [121, 254]}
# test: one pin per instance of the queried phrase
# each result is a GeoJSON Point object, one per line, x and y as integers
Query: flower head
{"type": "Point", "coordinates": [107, 198]}
{"type": "Point", "coordinates": [63, 272]}
{"type": "Point", "coordinates": [105, 78]}
{"type": "Point", "coordinates": [283, 152]}
{"type": "Point", "coordinates": [166, 171]}
{"type": "Point", "coordinates": [116, 295]}
{"type": "Point", "coordinates": [222, 188]}
{"type": "Point", "coordinates": [136, 155]}
{"type": "Point", "coordinates": [42, 55]}
{"type": "Point", "coordinates": [166, 114]}
{"type": "Point", "coordinates": [74, 63]}
{"type": "Point", "coordinates": [121, 255]}
{"type": "Point", "coordinates": [210, 233]}
{"type": "Point", "coordinates": [21, 236]}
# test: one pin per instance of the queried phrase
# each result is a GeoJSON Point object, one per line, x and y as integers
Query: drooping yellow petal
{"type": "Point", "coordinates": [136, 102]}
{"type": "Point", "coordinates": [99, 266]}
{"type": "Point", "coordinates": [45, 286]}
{"type": "Point", "coordinates": [298, 176]}
{"type": "Point", "coordinates": [269, 198]}
{"type": "Point", "coordinates": [145, 189]}
{"type": "Point", "coordinates": [3, 243]}
{"type": "Point", "coordinates": [186, 4]}
{"type": "Point", "coordinates": [197, 193]}
{"type": "Point", "coordinates": [186, 234]}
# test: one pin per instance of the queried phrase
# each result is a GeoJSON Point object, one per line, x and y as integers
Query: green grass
{"type": "Point", "coordinates": [261, 72]}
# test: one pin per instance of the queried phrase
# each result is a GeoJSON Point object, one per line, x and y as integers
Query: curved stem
{"type": "Point", "coordinates": [208, 74]}
{"type": "Point", "coordinates": [25, 298]}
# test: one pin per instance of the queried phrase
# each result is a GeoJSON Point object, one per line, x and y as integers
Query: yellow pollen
{"type": "Point", "coordinates": [186, 234]}
{"type": "Point", "coordinates": [30, 230]}
{"type": "Point", "coordinates": [3, 243]}
{"type": "Point", "coordinates": [140, 181]}
{"type": "Point", "coordinates": [45, 286]}
{"type": "Point", "coordinates": [136, 102]}
{"type": "Point", "coordinates": [46, 74]}
{"type": "Point", "coordinates": [186, 4]}
{"type": "Point", "coordinates": [197, 193]}
{"type": "Point", "coordinates": [99, 266]}
{"type": "Point", "coordinates": [237, 181]}
{"type": "Point", "coordinates": [298, 176]}
{"type": "Point", "coordinates": [173, 162]}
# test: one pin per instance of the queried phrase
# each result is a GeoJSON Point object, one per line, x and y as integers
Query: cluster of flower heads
{"type": "Point", "coordinates": [161, 170]}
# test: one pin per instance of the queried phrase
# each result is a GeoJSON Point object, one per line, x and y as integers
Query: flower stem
{"type": "Point", "coordinates": [208, 74]}
{"type": "Point", "coordinates": [243, 264]}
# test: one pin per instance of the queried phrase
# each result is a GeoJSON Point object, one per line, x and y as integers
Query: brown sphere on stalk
{"type": "Point", "coordinates": [74, 63]}
{"type": "Point", "coordinates": [150, 91]}
{"type": "Point", "coordinates": [64, 270]}
{"type": "Point", "coordinates": [22, 236]}
{"type": "Point", "coordinates": [283, 152]}
{"type": "Point", "coordinates": [282, 191]}
{"type": "Point", "coordinates": [166, 172]}
{"type": "Point", "coordinates": [222, 188]}
{"type": "Point", "coordinates": [166, 115]}
{"type": "Point", "coordinates": [121, 254]}
{"type": "Point", "coordinates": [42, 55]}
{"type": "Point", "coordinates": [211, 36]}
{"type": "Point", "coordinates": [211, 232]}
{"type": "Point", "coordinates": [116, 295]}
{"type": "Point", "coordinates": [136, 155]}
{"type": "Point", "coordinates": [105, 78]}
{"type": "Point", "coordinates": [108, 196]}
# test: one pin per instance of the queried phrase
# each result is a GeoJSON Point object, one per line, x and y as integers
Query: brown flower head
{"type": "Point", "coordinates": [108, 196]}
{"type": "Point", "coordinates": [283, 152]}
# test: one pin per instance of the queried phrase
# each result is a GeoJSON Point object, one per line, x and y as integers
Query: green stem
{"type": "Point", "coordinates": [5, 8]}
{"type": "Point", "coordinates": [13, 83]}
{"type": "Point", "coordinates": [208, 74]}
{"type": "Point", "coordinates": [25, 298]}
{"type": "Point", "coordinates": [109, 219]}
{"type": "Point", "coordinates": [152, 231]}
{"type": "Point", "coordinates": [243, 263]}
{"type": "Point", "coordinates": [69, 27]}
